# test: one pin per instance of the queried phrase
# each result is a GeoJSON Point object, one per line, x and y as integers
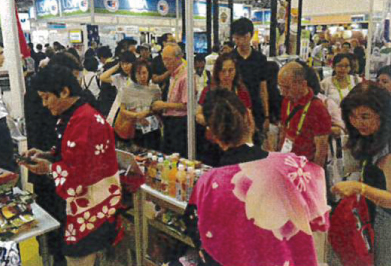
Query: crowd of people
{"type": "Point", "coordinates": [72, 104]}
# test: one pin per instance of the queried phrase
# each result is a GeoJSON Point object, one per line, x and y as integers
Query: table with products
{"type": "Point", "coordinates": [44, 223]}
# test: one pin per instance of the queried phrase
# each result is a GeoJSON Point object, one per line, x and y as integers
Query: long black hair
{"type": "Point", "coordinates": [370, 95]}
{"type": "Point", "coordinates": [126, 57]}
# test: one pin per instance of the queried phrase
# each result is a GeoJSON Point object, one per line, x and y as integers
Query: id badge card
{"type": "Point", "coordinates": [288, 146]}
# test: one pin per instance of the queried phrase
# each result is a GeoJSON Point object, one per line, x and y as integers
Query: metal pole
{"type": "Point", "coordinates": [231, 7]}
{"type": "Point", "coordinates": [92, 6]}
{"type": "Point", "coordinates": [209, 24]}
{"type": "Point", "coordinates": [12, 55]}
{"type": "Point", "coordinates": [177, 21]}
{"type": "Point", "coordinates": [369, 46]}
{"type": "Point", "coordinates": [184, 19]}
{"type": "Point", "coordinates": [191, 99]}
{"type": "Point", "coordinates": [298, 44]}
{"type": "Point", "coordinates": [273, 29]}
{"type": "Point", "coordinates": [216, 22]}
{"type": "Point", "coordinates": [288, 30]}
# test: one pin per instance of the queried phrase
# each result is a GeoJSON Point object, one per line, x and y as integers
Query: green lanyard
{"type": "Point", "coordinates": [302, 118]}
{"type": "Point", "coordinates": [363, 170]}
{"type": "Point", "coordinates": [340, 89]}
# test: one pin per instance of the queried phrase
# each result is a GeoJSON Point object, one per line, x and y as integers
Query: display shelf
{"type": "Point", "coordinates": [171, 232]}
{"type": "Point", "coordinates": [164, 200]}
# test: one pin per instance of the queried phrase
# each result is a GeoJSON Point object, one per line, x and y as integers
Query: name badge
{"type": "Point", "coordinates": [288, 146]}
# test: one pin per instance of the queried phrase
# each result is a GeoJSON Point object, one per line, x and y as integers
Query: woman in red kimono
{"type": "Point", "coordinates": [260, 209]}
{"type": "Point", "coordinates": [83, 166]}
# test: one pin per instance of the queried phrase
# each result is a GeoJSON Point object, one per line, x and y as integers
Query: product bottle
{"type": "Point", "coordinates": [172, 180]}
{"type": "Point", "coordinates": [164, 176]}
{"type": "Point", "coordinates": [189, 182]}
{"type": "Point", "coordinates": [152, 171]}
{"type": "Point", "coordinates": [198, 174]}
{"type": "Point", "coordinates": [159, 168]}
{"type": "Point", "coordinates": [147, 162]}
{"type": "Point", "coordinates": [180, 183]}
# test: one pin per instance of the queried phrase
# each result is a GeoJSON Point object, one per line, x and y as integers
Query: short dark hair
{"type": "Point", "coordinates": [132, 42]}
{"type": "Point", "coordinates": [339, 57]}
{"type": "Point", "coordinates": [47, 44]}
{"type": "Point", "coordinates": [225, 115]}
{"type": "Point", "coordinates": [39, 47]}
{"type": "Point", "coordinates": [65, 59]}
{"type": "Point", "coordinates": [216, 48]}
{"type": "Point", "coordinates": [54, 78]}
{"type": "Point", "coordinates": [379, 100]}
{"type": "Point", "coordinates": [386, 70]}
{"type": "Point", "coordinates": [137, 66]}
{"type": "Point", "coordinates": [347, 43]}
{"type": "Point", "coordinates": [121, 47]}
{"type": "Point", "coordinates": [104, 52]}
{"type": "Point", "coordinates": [91, 64]}
{"type": "Point", "coordinates": [89, 53]}
{"type": "Point", "coordinates": [199, 58]}
{"type": "Point", "coordinates": [164, 38]}
{"type": "Point", "coordinates": [324, 41]}
{"type": "Point", "coordinates": [74, 52]}
{"type": "Point", "coordinates": [242, 26]}
{"type": "Point", "coordinates": [31, 45]}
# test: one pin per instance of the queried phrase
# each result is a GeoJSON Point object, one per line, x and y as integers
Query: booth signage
{"type": "Point", "coordinates": [153, 8]}
{"type": "Point", "coordinates": [47, 8]}
{"type": "Point", "coordinates": [73, 7]}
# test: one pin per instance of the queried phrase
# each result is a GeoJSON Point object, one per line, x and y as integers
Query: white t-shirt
{"type": "Point", "coordinates": [90, 81]}
{"type": "Point", "coordinates": [331, 91]}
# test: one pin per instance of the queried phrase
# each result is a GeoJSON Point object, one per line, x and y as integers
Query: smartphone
{"type": "Point", "coordinates": [24, 159]}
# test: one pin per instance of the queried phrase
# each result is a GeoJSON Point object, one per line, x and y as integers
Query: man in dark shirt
{"type": "Point", "coordinates": [252, 66]}
{"type": "Point", "coordinates": [38, 56]}
{"type": "Point", "coordinates": [161, 75]}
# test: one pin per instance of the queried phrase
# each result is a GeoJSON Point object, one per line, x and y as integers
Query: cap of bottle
{"type": "Point", "coordinates": [154, 158]}
{"type": "Point", "coordinates": [149, 155]}
{"type": "Point", "coordinates": [181, 167]}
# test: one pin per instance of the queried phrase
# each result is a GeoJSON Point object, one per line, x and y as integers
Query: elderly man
{"type": "Point", "coordinates": [306, 123]}
{"type": "Point", "coordinates": [174, 109]}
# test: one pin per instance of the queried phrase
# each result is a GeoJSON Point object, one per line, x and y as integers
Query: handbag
{"type": "Point", "coordinates": [124, 127]}
{"type": "Point", "coordinates": [351, 234]}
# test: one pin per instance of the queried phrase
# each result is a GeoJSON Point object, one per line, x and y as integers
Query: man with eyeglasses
{"type": "Point", "coordinates": [252, 65]}
{"type": "Point", "coordinates": [306, 123]}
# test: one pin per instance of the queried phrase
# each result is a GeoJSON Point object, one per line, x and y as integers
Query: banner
{"type": "Point", "coordinates": [47, 8]}
{"type": "Point", "coordinates": [74, 7]}
{"type": "Point", "coordinates": [151, 8]}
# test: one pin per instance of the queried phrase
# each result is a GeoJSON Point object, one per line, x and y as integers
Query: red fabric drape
{"type": "Point", "coordinates": [24, 49]}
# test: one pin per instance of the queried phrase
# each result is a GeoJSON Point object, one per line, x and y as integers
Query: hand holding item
{"type": "Point", "coordinates": [347, 188]}
{"type": "Point", "coordinates": [33, 153]}
{"type": "Point", "coordinates": [40, 166]}
{"type": "Point", "coordinates": [158, 106]}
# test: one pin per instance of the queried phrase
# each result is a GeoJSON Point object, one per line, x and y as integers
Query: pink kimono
{"type": "Point", "coordinates": [262, 212]}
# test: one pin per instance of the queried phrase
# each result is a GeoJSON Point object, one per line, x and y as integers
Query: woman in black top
{"type": "Point", "coordinates": [366, 112]}
{"type": "Point", "coordinates": [232, 126]}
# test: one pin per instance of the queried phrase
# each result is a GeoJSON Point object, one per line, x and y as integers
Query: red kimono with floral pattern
{"type": "Point", "coordinates": [87, 176]}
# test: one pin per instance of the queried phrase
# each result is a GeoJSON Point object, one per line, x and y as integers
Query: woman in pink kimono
{"type": "Point", "coordinates": [260, 212]}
